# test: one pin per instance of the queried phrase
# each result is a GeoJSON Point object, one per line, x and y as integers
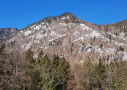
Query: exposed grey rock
{"type": "Point", "coordinates": [6, 33]}
{"type": "Point", "coordinates": [56, 35]}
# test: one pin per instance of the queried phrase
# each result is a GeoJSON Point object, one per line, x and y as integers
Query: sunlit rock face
{"type": "Point", "coordinates": [73, 38]}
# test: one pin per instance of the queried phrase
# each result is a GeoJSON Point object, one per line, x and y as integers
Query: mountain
{"type": "Point", "coordinates": [6, 33]}
{"type": "Point", "coordinates": [73, 38]}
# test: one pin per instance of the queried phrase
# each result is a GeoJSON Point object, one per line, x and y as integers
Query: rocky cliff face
{"type": "Point", "coordinates": [76, 40]}
{"type": "Point", "coordinates": [6, 33]}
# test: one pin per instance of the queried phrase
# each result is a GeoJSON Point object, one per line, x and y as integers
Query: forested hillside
{"type": "Point", "coordinates": [67, 35]}
{"type": "Point", "coordinates": [45, 72]}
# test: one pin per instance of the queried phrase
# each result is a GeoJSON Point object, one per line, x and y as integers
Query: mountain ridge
{"type": "Point", "coordinates": [54, 18]}
{"type": "Point", "coordinates": [70, 14]}
{"type": "Point", "coordinates": [71, 37]}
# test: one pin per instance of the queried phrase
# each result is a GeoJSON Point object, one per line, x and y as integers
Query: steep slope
{"type": "Point", "coordinates": [68, 36]}
{"type": "Point", "coordinates": [122, 25]}
{"type": "Point", "coordinates": [6, 33]}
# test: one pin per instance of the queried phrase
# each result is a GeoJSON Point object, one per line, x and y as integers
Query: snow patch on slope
{"type": "Point", "coordinates": [84, 27]}
{"type": "Point", "coordinates": [26, 33]}
{"type": "Point", "coordinates": [125, 56]}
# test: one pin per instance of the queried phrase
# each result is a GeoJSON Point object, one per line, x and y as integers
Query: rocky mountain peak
{"type": "Point", "coordinates": [49, 21]}
{"type": "Point", "coordinates": [68, 36]}
{"type": "Point", "coordinates": [67, 14]}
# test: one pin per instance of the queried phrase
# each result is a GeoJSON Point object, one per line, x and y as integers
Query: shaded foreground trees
{"type": "Point", "coordinates": [112, 76]}
{"type": "Point", "coordinates": [49, 74]}
{"type": "Point", "coordinates": [89, 75]}
{"type": "Point", "coordinates": [25, 72]}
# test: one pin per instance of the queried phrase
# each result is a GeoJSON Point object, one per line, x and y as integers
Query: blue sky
{"type": "Point", "coordinates": [20, 13]}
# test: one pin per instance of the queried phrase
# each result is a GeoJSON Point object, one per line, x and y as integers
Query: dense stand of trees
{"type": "Point", "coordinates": [25, 72]}
{"type": "Point", "coordinates": [112, 76]}
{"type": "Point", "coordinates": [49, 74]}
